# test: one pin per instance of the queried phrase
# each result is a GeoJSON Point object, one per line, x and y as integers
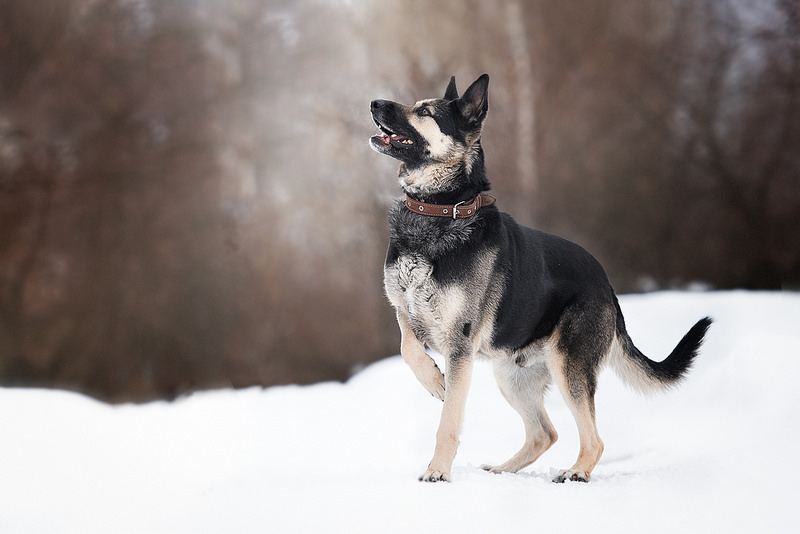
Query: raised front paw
{"type": "Point", "coordinates": [433, 475]}
{"type": "Point", "coordinates": [571, 474]}
{"type": "Point", "coordinates": [433, 380]}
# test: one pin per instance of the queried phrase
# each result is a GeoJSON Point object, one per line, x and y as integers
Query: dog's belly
{"type": "Point", "coordinates": [434, 311]}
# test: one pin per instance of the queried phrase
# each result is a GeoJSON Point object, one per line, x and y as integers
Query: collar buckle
{"type": "Point", "coordinates": [455, 208]}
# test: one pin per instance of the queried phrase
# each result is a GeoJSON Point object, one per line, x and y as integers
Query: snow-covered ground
{"type": "Point", "coordinates": [719, 454]}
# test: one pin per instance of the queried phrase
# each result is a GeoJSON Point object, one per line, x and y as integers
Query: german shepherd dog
{"type": "Point", "coordinates": [466, 280]}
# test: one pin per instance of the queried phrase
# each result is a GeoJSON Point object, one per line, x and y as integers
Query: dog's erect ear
{"type": "Point", "coordinates": [451, 93]}
{"type": "Point", "coordinates": [475, 102]}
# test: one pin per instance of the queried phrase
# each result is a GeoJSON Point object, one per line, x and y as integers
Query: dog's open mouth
{"type": "Point", "coordinates": [388, 137]}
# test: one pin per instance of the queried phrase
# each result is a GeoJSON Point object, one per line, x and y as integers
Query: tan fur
{"type": "Point", "coordinates": [582, 409]}
{"type": "Point", "coordinates": [455, 399]}
{"type": "Point", "coordinates": [524, 389]}
{"type": "Point", "coordinates": [440, 145]}
{"type": "Point", "coordinates": [423, 366]}
{"type": "Point", "coordinates": [631, 372]}
{"type": "Point", "coordinates": [433, 177]}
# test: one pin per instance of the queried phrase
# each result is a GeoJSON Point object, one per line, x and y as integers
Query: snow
{"type": "Point", "coordinates": [715, 455]}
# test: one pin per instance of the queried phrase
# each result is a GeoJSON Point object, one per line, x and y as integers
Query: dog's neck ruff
{"type": "Point", "coordinates": [461, 210]}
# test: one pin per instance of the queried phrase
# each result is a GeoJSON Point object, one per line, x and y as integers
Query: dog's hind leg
{"type": "Point", "coordinates": [423, 366]}
{"type": "Point", "coordinates": [578, 389]}
{"type": "Point", "coordinates": [580, 343]}
{"type": "Point", "coordinates": [524, 389]}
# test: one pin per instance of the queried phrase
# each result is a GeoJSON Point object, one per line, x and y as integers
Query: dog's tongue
{"type": "Point", "coordinates": [388, 139]}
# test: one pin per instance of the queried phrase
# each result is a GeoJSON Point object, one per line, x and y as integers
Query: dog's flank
{"type": "Point", "coordinates": [538, 306]}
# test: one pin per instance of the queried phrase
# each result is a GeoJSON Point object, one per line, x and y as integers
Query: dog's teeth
{"type": "Point", "coordinates": [398, 138]}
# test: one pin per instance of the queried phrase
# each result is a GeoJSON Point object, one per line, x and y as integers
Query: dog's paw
{"type": "Point", "coordinates": [572, 475]}
{"type": "Point", "coordinates": [433, 475]}
{"type": "Point", "coordinates": [496, 469]}
{"type": "Point", "coordinates": [434, 383]}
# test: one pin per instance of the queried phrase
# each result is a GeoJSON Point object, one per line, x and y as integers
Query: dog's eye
{"type": "Point", "coordinates": [423, 112]}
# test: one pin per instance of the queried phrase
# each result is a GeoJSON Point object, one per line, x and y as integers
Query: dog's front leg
{"type": "Point", "coordinates": [459, 375]}
{"type": "Point", "coordinates": [413, 352]}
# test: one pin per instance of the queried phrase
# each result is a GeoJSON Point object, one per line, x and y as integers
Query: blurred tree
{"type": "Point", "coordinates": [158, 232]}
{"type": "Point", "coordinates": [652, 157]}
{"type": "Point", "coordinates": [741, 137]}
{"type": "Point", "coordinates": [188, 200]}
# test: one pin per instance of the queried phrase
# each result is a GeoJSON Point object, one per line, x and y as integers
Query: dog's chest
{"type": "Point", "coordinates": [410, 285]}
{"type": "Point", "coordinates": [412, 288]}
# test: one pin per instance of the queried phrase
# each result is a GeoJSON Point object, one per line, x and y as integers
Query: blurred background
{"type": "Point", "coordinates": [188, 199]}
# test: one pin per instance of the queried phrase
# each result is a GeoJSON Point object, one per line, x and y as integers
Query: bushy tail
{"type": "Point", "coordinates": [646, 375]}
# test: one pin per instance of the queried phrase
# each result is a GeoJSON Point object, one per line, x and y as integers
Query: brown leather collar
{"type": "Point", "coordinates": [462, 210]}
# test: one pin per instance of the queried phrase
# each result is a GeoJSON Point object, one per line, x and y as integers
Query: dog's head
{"type": "Point", "coordinates": [437, 140]}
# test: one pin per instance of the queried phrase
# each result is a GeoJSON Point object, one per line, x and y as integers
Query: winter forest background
{"type": "Point", "coordinates": [188, 199]}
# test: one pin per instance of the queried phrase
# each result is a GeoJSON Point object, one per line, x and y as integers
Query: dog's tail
{"type": "Point", "coordinates": [646, 375]}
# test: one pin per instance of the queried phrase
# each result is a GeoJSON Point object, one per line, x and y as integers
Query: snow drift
{"type": "Point", "coordinates": [717, 454]}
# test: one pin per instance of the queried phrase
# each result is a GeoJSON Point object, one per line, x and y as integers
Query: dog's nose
{"type": "Point", "coordinates": [377, 104]}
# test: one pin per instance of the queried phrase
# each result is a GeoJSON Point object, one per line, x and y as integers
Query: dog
{"type": "Point", "coordinates": [466, 280]}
